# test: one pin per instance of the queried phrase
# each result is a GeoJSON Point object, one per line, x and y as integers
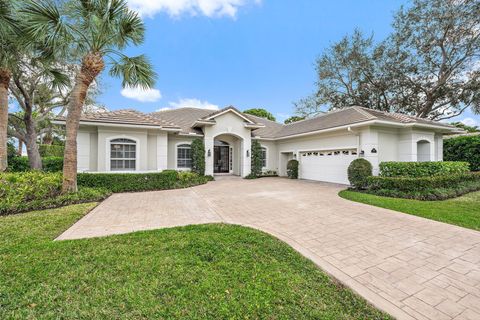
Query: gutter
{"type": "Point", "coordinates": [121, 125]}
{"type": "Point", "coordinates": [368, 123]}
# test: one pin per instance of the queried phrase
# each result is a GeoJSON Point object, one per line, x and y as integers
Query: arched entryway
{"type": "Point", "coordinates": [222, 157]}
{"type": "Point", "coordinates": [423, 151]}
{"type": "Point", "coordinates": [226, 154]}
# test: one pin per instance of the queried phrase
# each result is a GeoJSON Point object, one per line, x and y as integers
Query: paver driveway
{"type": "Point", "coordinates": [408, 266]}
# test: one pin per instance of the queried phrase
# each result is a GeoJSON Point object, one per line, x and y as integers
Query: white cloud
{"type": "Point", "coordinates": [192, 103]}
{"type": "Point", "coordinates": [142, 95]}
{"type": "Point", "coordinates": [470, 122]}
{"type": "Point", "coordinates": [175, 8]}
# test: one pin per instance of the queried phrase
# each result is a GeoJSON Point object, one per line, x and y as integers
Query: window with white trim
{"type": "Point", "coordinates": [184, 156]}
{"type": "Point", "coordinates": [264, 157]}
{"type": "Point", "coordinates": [123, 155]}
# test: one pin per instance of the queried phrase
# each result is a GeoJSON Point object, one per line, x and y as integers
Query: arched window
{"type": "Point", "coordinates": [184, 156]}
{"type": "Point", "coordinates": [264, 157]}
{"type": "Point", "coordinates": [423, 151]}
{"type": "Point", "coordinates": [123, 155]}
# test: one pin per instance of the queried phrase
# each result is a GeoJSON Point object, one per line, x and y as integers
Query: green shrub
{"type": "Point", "coordinates": [425, 188]}
{"type": "Point", "coordinates": [83, 195]}
{"type": "Point", "coordinates": [51, 150]}
{"type": "Point", "coordinates": [52, 164]}
{"type": "Point", "coordinates": [422, 169]}
{"type": "Point", "coordinates": [466, 148]}
{"type": "Point", "coordinates": [49, 164]}
{"type": "Point", "coordinates": [18, 164]}
{"type": "Point", "coordinates": [198, 156]}
{"type": "Point", "coordinates": [128, 182]}
{"type": "Point", "coordinates": [358, 172]}
{"type": "Point", "coordinates": [292, 169]}
{"type": "Point", "coordinates": [409, 184]}
{"type": "Point", "coordinates": [431, 194]}
{"type": "Point", "coordinates": [24, 191]}
{"type": "Point", "coordinates": [256, 165]}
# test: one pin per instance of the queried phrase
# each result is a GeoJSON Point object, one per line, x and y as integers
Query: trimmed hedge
{"type": "Point", "coordinates": [465, 148]}
{"type": "Point", "coordinates": [37, 190]}
{"type": "Point", "coordinates": [422, 169]}
{"type": "Point", "coordinates": [129, 182]}
{"type": "Point", "coordinates": [49, 164]}
{"type": "Point", "coordinates": [51, 150]}
{"type": "Point", "coordinates": [358, 172]}
{"type": "Point", "coordinates": [425, 188]}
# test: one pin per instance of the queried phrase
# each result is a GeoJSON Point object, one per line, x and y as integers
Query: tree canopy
{"type": "Point", "coordinates": [262, 113]}
{"type": "Point", "coordinates": [293, 119]}
{"type": "Point", "coordinates": [465, 127]}
{"type": "Point", "coordinates": [427, 67]}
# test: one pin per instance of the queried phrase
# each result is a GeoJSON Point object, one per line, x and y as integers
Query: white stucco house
{"type": "Point", "coordinates": [131, 141]}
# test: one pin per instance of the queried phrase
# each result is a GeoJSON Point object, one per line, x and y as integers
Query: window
{"type": "Point", "coordinates": [123, 155]}
{"type": "Point", "coordinates": [184, 156]}
{"type": "Point", "coordinates": [264, 157]}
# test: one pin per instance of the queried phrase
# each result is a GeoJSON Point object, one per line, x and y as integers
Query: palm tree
{"type": "Point", "coordinates": [9, 47]}
{"type": "Point", "coordinates": [93, 31]}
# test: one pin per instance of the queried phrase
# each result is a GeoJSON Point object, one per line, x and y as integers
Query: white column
{"type": "Point", "coordinates": [246, 162]}
{"type": "Point", "coordinates": [208, 141]}
{"type": "Point", "coordinates": [162, 151]}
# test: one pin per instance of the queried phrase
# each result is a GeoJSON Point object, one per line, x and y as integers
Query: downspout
{"type": "Point", "coordinates": [358, 139]}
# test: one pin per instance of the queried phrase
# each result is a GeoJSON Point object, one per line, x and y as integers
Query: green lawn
{"type": "Point", "coordinates": [462, 211]}
{"type": "Point", "coordinates": [195, 272]}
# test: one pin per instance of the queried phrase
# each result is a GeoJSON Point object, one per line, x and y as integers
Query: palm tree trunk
{"type": "Point", "coordinates": [5, 76]}
{"type": "Point", "coordinates": [92, 65]}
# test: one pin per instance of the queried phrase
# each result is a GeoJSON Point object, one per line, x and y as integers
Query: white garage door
{"type": "Point", "coordinates": [329, 166]}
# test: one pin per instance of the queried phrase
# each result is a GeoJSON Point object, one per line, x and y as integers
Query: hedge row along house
{"type": "Point", "coordinates": [132, 141]}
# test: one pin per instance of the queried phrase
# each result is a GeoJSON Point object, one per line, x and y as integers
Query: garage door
{"type": "Point", "coordinates": [328, 166]}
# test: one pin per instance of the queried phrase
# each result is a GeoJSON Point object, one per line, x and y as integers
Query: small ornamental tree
{"type": "Point", "coordinates": [256, 169]}
{"type": "Point", "coordinates": [292, 169]}
{"type": "Point", "coordinates": [358, 172]}
{"type": "Point", "coordinates": [198, 156]}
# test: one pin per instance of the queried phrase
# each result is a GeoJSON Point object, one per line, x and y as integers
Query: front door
{"type": "Point", "coordinates": [221, 159]}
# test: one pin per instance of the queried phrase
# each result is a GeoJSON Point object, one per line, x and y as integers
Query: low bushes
{"type": "Point", "coordinates": [37, 190]}
{"type": "Point", "coordinates": [358, 172]}
{"type": "Point", "coordinates": [292, 169]}
{"type": "Point", "coordinates": [128, 182]}
{"type": "Point", "coordinates": [465, 148]}
{"type": "Point", "coordinates": [422, 169]}
{"type": "Point", "coordinates": [425, 188]}
{"type": "Point", "coordinates": [49, 164]}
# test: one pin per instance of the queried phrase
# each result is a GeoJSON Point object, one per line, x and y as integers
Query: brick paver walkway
{"type": "Point", "coordinates": [412, 268]}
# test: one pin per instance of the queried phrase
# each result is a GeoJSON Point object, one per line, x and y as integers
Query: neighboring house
{"type": "Point", "coordinates": [128, 140]}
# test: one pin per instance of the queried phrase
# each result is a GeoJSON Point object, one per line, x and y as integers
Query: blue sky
{"type": "Point", "coordinates": [243, 53]}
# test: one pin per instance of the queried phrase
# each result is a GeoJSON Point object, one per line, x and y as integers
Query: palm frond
{"type": "Point", "coordinates": [58, 79]}
{"type": "Point", "coordinates": [134, 71]}
{"type": "Point", "coordinates": [44, 23]}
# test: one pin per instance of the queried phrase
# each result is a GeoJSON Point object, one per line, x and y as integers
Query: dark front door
{"type": "Point", "coordinates": [221, 159]}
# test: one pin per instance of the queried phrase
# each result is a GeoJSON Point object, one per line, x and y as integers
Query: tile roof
{"type": "Point", "coordinates": [184, 118]}
{"type": "Point", "coordinates": [126, 116]}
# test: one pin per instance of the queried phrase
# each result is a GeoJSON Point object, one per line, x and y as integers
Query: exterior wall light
{"type": "Point", "coordinates": [209, 153]}
{"type": "Point", "coordinates": [374, 150]}
{"type": "Point", "coordinates": [248, 153]}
